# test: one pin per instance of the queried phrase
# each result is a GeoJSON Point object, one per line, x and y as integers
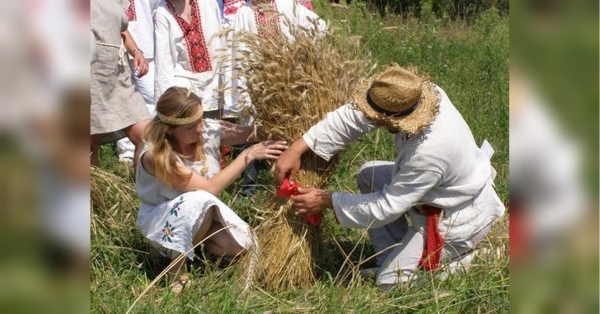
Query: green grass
{"type": "Point", "coordinates": [471, 64]}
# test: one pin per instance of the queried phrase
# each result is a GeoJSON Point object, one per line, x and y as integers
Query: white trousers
{"type": "Point", "coordinates": [145, 86]}
{"type": "Point", "coordinates": [398, 245]}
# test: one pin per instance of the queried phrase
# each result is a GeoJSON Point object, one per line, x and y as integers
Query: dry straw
{"type": "Point", "coordinates": [114, 207]}
{"type": "Point", "coordinates": [292, 85]}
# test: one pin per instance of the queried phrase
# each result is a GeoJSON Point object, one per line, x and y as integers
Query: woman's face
{"type": "Point", "coordinates": [188, 133]}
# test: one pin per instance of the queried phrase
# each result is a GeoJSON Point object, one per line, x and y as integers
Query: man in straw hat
{"type": "Point", "coordinates": [441, 179]}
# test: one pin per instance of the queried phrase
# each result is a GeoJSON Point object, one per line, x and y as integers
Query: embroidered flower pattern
{"type": "Point", "coordinates": [194, 38]}
{"type": "Point", "coordinates": [130, 12]}
{"type": "Point", "coordinates": [168, 232]}
{"type": "Point", "coordinates": [175, 209]}
{"type": "Point", "coordinates": [267, 22]}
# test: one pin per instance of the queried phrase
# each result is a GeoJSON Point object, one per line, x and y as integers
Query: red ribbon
{"type": "Point", "coordinates": [313, 220]}
{"type": "Point", "coordinates": [434, 242]}
{"type": "Point", "coordinates": [287, 189]}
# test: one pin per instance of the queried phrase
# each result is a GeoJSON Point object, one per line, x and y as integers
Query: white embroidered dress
{"type": "Point", "coordinates": [188, 54]}
{"type": "Point", "coordinates": [169, 218]}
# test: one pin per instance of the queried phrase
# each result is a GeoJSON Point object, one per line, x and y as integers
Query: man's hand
{"type": "Point", "coordinates": [311, 201]}
{"type": "Point", "coordinates": [140, 64]}
{"type": "Point", "coordinates": [288, 163]}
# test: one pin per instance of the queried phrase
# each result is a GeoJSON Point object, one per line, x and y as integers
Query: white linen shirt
{"type": "Point", "coordinates": [173, 65]}
{"type": "Point", "coordinates": [292, 11]}
{"type": "Point", "coordinates": [441, 167]}
{"type": "Point", "coordinates": [141, 27]}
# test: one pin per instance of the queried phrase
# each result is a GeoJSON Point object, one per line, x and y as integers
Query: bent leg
{"type": "Point", "coordinates": [217, 239]}
{"type": "Point", "coordinates": [458, 254]}
{"type": "Point", "coordinates": [135, 133]}
{"type": "Point", "coordinates": [221, 243]}
{"type": "Point", "coordinates": [402, 262]}
{"type": "Point", "coordinates": [205, 226]}
{"type": "Point", "coordinates": [387, 237]}
{"type": "Point", "coordinates": [94, 150]}
{"type": "Point", "coordinates": [373, 176]}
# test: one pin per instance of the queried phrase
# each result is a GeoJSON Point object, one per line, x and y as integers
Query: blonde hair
{"type": "Point", "coordinates": [176, 103]}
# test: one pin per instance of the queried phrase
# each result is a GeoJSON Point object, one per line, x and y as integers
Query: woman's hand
{"type": "Point", "coordinates": [267, 150]}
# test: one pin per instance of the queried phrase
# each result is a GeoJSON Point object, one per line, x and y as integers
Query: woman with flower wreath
{"type": "Point", "coordinates": [178, 178]}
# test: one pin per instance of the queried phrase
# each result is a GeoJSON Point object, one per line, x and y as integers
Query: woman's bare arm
{"type": "Point", "coordinates": [218, 183]}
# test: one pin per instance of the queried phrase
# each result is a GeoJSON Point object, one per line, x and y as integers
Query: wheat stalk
{"type": "Point", "coordinates": [293, 85]}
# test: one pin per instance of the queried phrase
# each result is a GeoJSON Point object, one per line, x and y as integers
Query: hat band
{"type": "Point", "coordinates": [388, 113]}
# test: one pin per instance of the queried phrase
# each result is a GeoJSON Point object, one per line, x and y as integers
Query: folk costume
{"type": "Point", "coordinates": [141, 27]}
{"type": "Point", "coordinates": [115, 104]}
{"type": "Point", "coordinates": [187, 54]}
{"type": "Point", "coordinates": [440, 178]}
{"type": "Point", "coordinates": [169, 218]}
{"type": "Point", "coordinates": [265, 20]}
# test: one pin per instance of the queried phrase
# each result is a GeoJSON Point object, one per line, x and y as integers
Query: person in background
{"type": "Point", "coordinates": [440, 179]}
{"type": "Point", "coordinates": [188, 49]}
{"type": "Point", "coordinates": [229, 10]}
{"type": "Point", "coordinates": [178, 180]}
{"type": "Point", "coordinates": [264, 18]}
{"type": "Point", "coordinates": [307, 4]}
{"type": "Point", "coordinates": [117, 110]}
{"type": "Point", "coordinates": [141, 26]}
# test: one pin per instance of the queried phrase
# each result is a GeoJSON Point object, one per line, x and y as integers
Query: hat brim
{"type": "Point", "coordinates": [415, 122]}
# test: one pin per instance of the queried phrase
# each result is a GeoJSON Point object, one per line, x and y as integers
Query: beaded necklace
{"type": "Point", "coordinates": [200, 159]}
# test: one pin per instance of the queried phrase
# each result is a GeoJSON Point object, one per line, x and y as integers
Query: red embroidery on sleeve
{"type": "Point", "coordinates": [267, 22]}
{"type": "Point", "coordinates": [232, 6]}
{"type": "Point", "coordinates": [307, 4]}
{"type": "Point", "coordinates": [130, 12]}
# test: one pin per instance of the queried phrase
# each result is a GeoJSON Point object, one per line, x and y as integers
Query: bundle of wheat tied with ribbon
{"type": "Point", "coordinates": [292, 84]}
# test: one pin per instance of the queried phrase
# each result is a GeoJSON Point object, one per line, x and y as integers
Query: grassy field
{"type": "Point", "coordinates": [469, 62]}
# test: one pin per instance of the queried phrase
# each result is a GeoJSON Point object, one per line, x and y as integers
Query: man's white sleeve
{"type": "Point", "coordinates": [338, 129]}
{"type": "Point", "coordinates": [382, 207]}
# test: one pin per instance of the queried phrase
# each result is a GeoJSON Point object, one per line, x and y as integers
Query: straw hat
{"type": "Point", "coordinates": [398, 98]}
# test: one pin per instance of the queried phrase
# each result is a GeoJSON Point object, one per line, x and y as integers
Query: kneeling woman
{"type": "Point", "coordinates": [178, 179]}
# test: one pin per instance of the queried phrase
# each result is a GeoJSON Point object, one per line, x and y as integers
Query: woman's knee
{"type": "Point", "coordinates": [221, 244]}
